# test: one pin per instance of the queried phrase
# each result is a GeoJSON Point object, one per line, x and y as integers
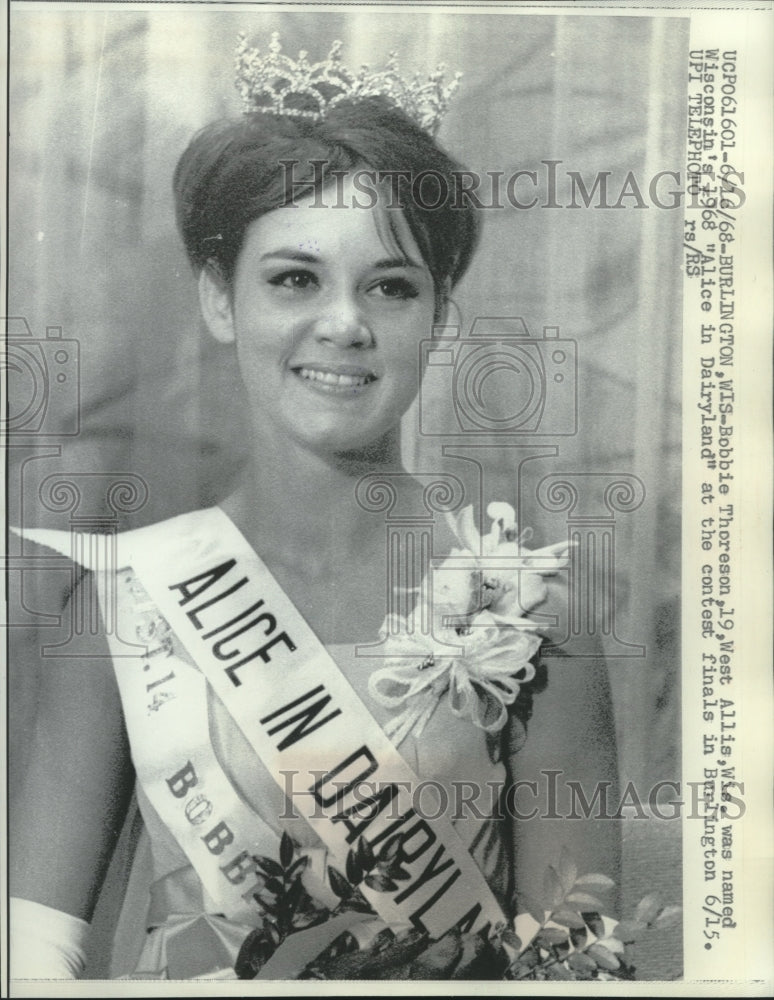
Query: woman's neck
{"type": "Point", "coordinates": [300, 507]}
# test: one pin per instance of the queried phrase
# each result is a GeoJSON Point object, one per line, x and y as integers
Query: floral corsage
{"type": "Point", "coordinates": [479, 644]}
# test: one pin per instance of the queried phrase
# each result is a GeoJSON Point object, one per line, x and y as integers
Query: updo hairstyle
{"type": "Point", "coordinates": [232, 173]}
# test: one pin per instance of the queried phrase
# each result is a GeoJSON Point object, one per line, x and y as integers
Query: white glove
{"type": "Point", "coordinates": [45, 943]}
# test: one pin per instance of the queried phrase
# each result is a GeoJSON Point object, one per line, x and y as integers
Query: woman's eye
{"type": "Point", "coordinates": [294, 280]}
{"type": "Point", "coordinates": [397, 288]}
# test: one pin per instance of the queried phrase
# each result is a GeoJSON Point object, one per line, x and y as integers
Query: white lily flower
{"type": "Point", "coordinates": [479, 601]}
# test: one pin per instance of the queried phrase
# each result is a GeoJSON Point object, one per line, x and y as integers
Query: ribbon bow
{"type": "Point", "coordinates": [481, 681]}
{"type": "Point", "coordinates": [480, 597]}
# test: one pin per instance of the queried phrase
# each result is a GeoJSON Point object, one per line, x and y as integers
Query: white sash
{"type": "Point", "coordinates": [297, 711]}
{"type": "Point", "coordinates": [167, 718]}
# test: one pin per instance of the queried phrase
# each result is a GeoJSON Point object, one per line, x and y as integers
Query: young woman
{"type": "Point", "coordinates": [252, 691]}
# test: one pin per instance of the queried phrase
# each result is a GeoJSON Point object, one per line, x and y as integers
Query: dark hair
{"type": "Point", "coordinates": [232, 172]}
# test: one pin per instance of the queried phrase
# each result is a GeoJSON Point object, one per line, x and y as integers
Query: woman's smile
{"type": "Point", "coordinates": [336, 380]}
{"type": "Point", "coordinates": [328, 311]}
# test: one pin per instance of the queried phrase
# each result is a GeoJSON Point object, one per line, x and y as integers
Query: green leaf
{"type": "Point", "coordinates": [529, 958]}
{"type": "Point", "coordinates": [568, 870]}
{"type": "Point", "coordinates": [584, 899]}
{"type": "Point", "coordinates": [353, 869]}
{"type": "Point", "coordinates": [256, 949]}
{"type": "Point", "coordinates": [670, 916]}
{"type": "Point", "coordinates": [553, 893]}
{"type": "Point", "coordinates": [569, 918]}
{"type": "Point", "coordinates": [380, 883]}
{"type": "Point", "coordinates": [520, 971]}
{"type": "Point", "coordinates": [358, 904]}
{"type": "Point", "coordinates": [269, 865]}
{"type": "Point", "coordinates": [389, 960]}
{"type": "Point", "coordinates": [365, 855]}
{"type": "Point", "coordinates": [594, 923]}
{"type": "Point", "coordinates": [581, 962]}
{"type": "Point", "coordinates": [286, 850]}
{"type": "Point", "coordinates": [294, 896]}
{"type": "Point", "coordinates": [629, 930]}
{"type": "Point", "coordinates": [339, 884]}
{"type": "Point", "coordinates": [529, 904]}
{"type": "Point", "coordinates": [309, 916]}
{"type": "Point", "coordinates": [603, 957]}
{"type": "Point", "coordinates": [397, 872]}
{"type": "Point", "coordinates": [559, 971]}
{"type": "Point", "coordinates": [552, 935]}
{"type": "Point", "coordinates": [298, 866]}
{"type": "Point", "coordinates": [594, 881]}
{"type": "Point", "coordinates": [647, 908]}
{"type": "Point", "coordinates": [510, 937]}
{"type": "Point", "coordinates": [274, 885]}
{"type": "Point", "coordinates": [391, 849]}
{"type": "Point", "coordinates": [579, 936]}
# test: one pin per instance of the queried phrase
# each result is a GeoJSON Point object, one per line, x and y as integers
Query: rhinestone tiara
{"type": "Point", "coordinates": [276, 84]}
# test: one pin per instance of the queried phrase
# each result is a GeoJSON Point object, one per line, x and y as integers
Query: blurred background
{"type": "Point", "coordinates": [103, 102]}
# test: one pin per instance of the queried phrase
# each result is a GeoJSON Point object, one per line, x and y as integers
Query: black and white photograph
{"type": "Point", "coordinates": [388, 490]}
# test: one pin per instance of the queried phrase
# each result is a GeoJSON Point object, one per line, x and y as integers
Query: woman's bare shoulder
{"type": "Point", "coordinates": [74, 776]}
{"type": "Point", "coordinates": [60, 617]}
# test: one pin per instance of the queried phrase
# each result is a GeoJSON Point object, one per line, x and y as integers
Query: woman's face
{"type": "Point", "coordinates": [327, 314]}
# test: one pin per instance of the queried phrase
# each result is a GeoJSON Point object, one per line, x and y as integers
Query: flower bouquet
{"type": "Point", "coordinates": [562, 936]}
{"type": "Point", "coordinates": [478, 649]}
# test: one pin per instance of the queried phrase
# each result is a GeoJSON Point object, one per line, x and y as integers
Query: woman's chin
{"type": "Point", "coordinates": [342, 445]}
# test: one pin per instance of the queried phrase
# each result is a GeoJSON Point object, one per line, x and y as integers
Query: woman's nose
{"type": "Point", "coordinates": [343, 324]}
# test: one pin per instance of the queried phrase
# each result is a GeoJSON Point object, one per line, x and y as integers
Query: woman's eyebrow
{"type": "Point", "coordinates": [290, 253]}
{"type": "Point", "coordinates": [389, 262]}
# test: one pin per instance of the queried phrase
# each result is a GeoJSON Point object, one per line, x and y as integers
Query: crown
{"type": "Point", "coordinates": [276, 84]}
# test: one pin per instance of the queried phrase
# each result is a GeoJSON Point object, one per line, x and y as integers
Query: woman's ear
{"type": "Point", "coordinates": [215, 304]}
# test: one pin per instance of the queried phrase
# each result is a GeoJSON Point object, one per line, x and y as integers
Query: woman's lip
{"type": "Point", "coordinates": [334, 378]}
{"type": "Point", "coordinates": [328, 369]}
